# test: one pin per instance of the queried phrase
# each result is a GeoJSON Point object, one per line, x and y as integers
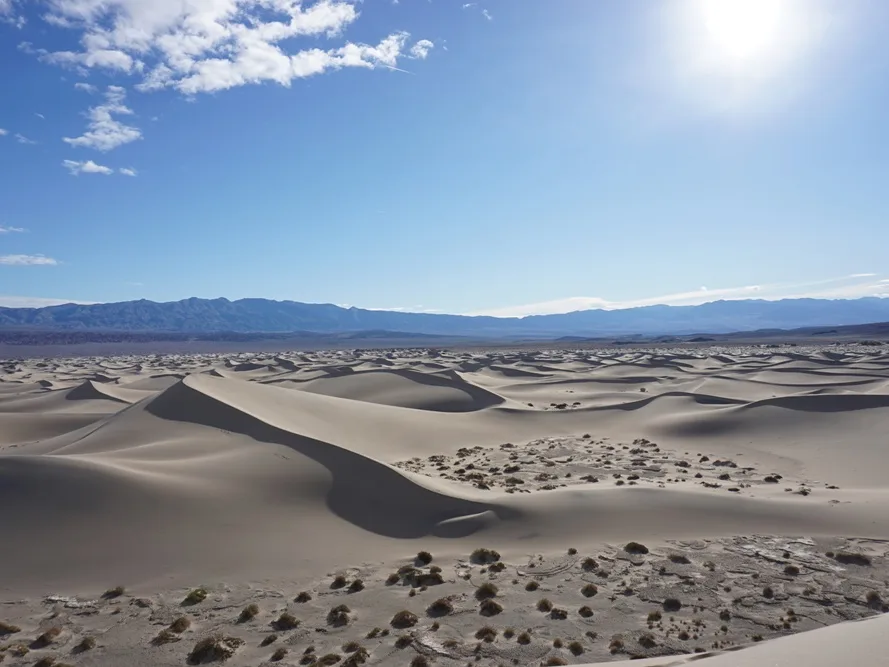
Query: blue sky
{"type": "Point", "coordinates": [504, 156]}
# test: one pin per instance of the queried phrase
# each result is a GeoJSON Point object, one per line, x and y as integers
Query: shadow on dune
{"type": "Point", "coordinates": [826, 402]}
{"type": "Point", "coordinates": [363, 491]}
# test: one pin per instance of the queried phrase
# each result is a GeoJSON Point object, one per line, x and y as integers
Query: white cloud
{"type": "Point", "coordinates": [34, 301]}
{"type": "Point", "coordinates": [22, 139]}
{"type": "Point", "coordinates": [127, 172]}
{"type": "Point", "coordinates": [421, 49]}
{"type": "Point", "coordinates": [8, 14]}
{"type": "Point", "coordinates": [12, 230]}
{"type": "Point", "coordinates": [27, 260]}
{"type": "Point", "coordinates": [487, 15]}
{"type": "Point", "coordinates": [85, 87]}
{"type": "Point", "coordinates": [87, 167]}
{"type": "Point", "coordinates": [3, 132]}
{"type": "Point", "coordinates": [40, 116]}
{"type": "Point", "coordinates": [846, 287]}
{"type": "Point", "coordinates": [105, 133]}
{"type": "Point", "coordinates": [209, 45]}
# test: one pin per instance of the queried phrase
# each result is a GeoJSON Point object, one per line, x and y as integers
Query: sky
{"type": "Point", "coordinates": [501, 156]}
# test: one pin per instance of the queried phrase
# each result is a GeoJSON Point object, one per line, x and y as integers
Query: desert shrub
{"type": "Point", "coordinates": [635, 548]}
{"type": "Point", "coordinates": [589, 590]}
{"type": "Point", "coordinates": [558, 614]}
{"type": "Point", "coordinates": [403, 619]}
{"type": "Point", "coordinates": [338, 581]}
{"type": "Point", "coordinates": [441, 607]}
{"type": "Point", "coordinates": [672, 604]}
{"type": "Point", "coordinates": [490, 607]}
{"type": "Point", "coordinates": [115, 592]}
{"type": "Point", "coordinates": [768, 593]}
{"type": "Point", "coordinates": [393, 579]}
{"type": "Point", "coordinates": [214, 648]}
{"type": "Point", "coordinates": [46, 661]}
{"type": "Point", "coordinates": [339, 615]}
{"type": "Point", "coordinates": [654, 616]}
{"type": "Point", "coordinates": [46, 638]}
{"type": "Point", "coordinates": [874, 600]}
{"type": "Point", "coordinates": [575, 647]}
{"type": "Point", "coordinates": [647, 640]}
{"type": "Point", "coordinates": [248, 613]}
{"type": "Point", "coordinates": [86, 644]}
{"type": "Point", "coordinates": [358, 657]}
{"type": "Point", "coordinates": [524, 638]}
{"type": "Point", "coordinates": [791, 570]}
{"type": "Point", "coordinates": [485, 591]}
{"type": "Point", "coordinates": [180, 625]}
{"type": "Point", "coordinates": [509, 633]}
{"type": "Point", "coordinates": [684, 636]}
{"type": "Point", "coordinates": [424, 557]}
{"type": "Point", "coordinates": [589, 565]}
{"type": "Point", "coordinates": [572, 551]}
{"type": "Point", "coordinates": [532, 585]}
{"type": "Point", "coordinates": [404, 641]}
{"type": "Point", "coordinates": [420, 661]}
{"type": "Point", "coordinates": [268, 639]}
{"type": "Point", "coordinates": [555, 660]}
{"type": "Point", "coordinates": [544, 605]}
{"type": "Point", "coordinates": [499, 566]}
{"type": "Point", "coordinates": [165, 636]}
{"type": "Point", "coordinates": [485, 556]}
{"type": "Point", "coordinates": [427, 579]}
{"type": "Point", "coordinates": [280, 653]}
{"type": "Point", "coordinates": [356, 586]}
{"type": "Point", "coordinates": [286, 621]}
{"type": "Point", "coordinates": [486, 633]}
{"type": "Point", "coordinates": [327, 660]}
{"type": "Point", "coordinates": [195, 596]}
{"type": "Point", "coordinates": [585, 612]}
{"type": "Point", "coordinates": [351, 647]}
{"type": "Point", "coordinates": [303, 597]}
{"type": "Point", "coordinates": [373, 633]}
{"type": "Point", "coordinates": [8, 628]}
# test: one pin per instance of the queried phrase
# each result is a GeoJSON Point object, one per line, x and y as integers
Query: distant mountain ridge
{"type": "Point", "coordinates": [264, 315]}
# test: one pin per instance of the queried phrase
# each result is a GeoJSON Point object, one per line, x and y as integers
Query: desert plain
{"type": "Point", "coordinates": [726, 507]}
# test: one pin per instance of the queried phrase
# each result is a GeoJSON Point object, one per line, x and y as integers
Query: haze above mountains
{"type": "Point", "coordinates": [263, 315]}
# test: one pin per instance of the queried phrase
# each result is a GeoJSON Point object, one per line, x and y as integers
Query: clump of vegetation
{"type": "Point", "coordinates": [572, 551]}
{"type": "Point", "coordinates": [499, 566]}
{"type": "Point", "coordinates": [589, 590]}
{"type": "Point", "coordinates": [485, 591]}
{"type": "Point", "coordinates": [791, 570]}
{"type": "Point", "coordinates": [589, 564]}
{"type": "Point", "coordinates": [509, 633]}
{"type": "Point", "coordinates": [654, 616]}
{"type": "Point", "coordinates": [338, 581]}
{"type": "Point", "coordinates": [339, 615]}
{"type": "Point", "coordinates": [646, 639]}
{"type": "Point", "coordinates": [532, 585]}
{"type": "Point", "coordinates": [88, 643]}
{"type": "Point", "coordinates": [424, 557]}
{"type": "Point", "coordinates": [558, 614]}
{"type": "Point", "coordinates": [47, 661]}
{"type": "Point", "coordinates": [8, 628]}
{"type": "Point", "coordinates": [441, 607]}
{"type": "Point", "coordinates": [215, 647]}
{"type": "Point", "coordinates": [725, 615]}
{"type": "Point", "coordinates": [373, 633]}
{"type": "Point", "coordinates": [524, 638]}
{"type": "Point", "coordinates": [672, 604]}
{"type": "Point", "coordinates": [327, 660]}
{"type": "Point", "coordinates": [575, 647]}
{"type": "Point", "coordinates": [303, 597]}
{"type": "Point", "coordinates": [46, 638]}
{"type": "Point", "coordinates": [585, 612]}
{"type": "Point", "coordinates": [393, 579]}
{"type": "Point", "coordinates": [768, 592]}
{"type": "Point", "coordinates": [544, 605]}
{"type": "Point", "coordinates": [403, 619]}
{"type": "Point", "coordinates": [268, 639]}
{"type": "Point", "coordinates": [248, 613]}
{"type": "Point", "coordinates": [404, 641]}
{"type": "Point", "coordinates": [874, 600]}
{"type": "Point", "coordinates": [616, 645]}
{"type": "Point", "coordinates": [356, 586]}
{"type": "Point", "coordinates": [484, 556]}
{"type": "Point", "coordinates": [486, 633]}
{"type": "Point", "coordinates": [285, 621]}
{"type": "Point", "coordinates": [358, 657]}
{"type": "Point", "coordinates": [115, 592]}
{"type": "Point", "coordinates": [279, 654]}
{"type": "Point", "coordinates": [490, 607]}
{"type": "Point", "coordinates": [420, 661]}
{"type": "Point", "coordinates": [554, 660]}
{"type": "Point", "coordinates": [635, 548]}
{"type": "Point", "coordinates": [679, 559]}
{"type": "Point", "coordinates": [180, 625]}
{"type": "Point", "coordinates": [194, 597]}
{"type": "Point", "coordinates": [351, 647]}
{"type": "Point", "coordinates": [165, 636]}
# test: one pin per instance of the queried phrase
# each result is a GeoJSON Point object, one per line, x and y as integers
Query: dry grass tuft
{"type": "Point", "coordinates": [441, 607]}
{"type": "Point", "coordinates": [115, 592]}
{"type": "Point", "coordinates": [279, 654]}
{"type": "Point", "coordinates": [424, 557]}
{"type": "Point", "coordinates": [544, 605]}
{"type": "Point", "coordinates": [194, 597]}
{"type": "Point", "coordinates": [46, 638]}
{"type": "Point", "coordinates": [404, 619]}
{"type": "Point", "coordinates": [248, 613]}
{"type": "Point", "coordinates": [589, 590]}
{"type": "Point", "coordinates": [8, 628]}
{"type": "Point", "coordinates": [303, 597]}
{"type": "Point", "coordinates": [484, 556]}
{"type": "Point", "coordinates": [180, 625]}
{"type": "Point", "coordinates": [214, 648]}
{"type": "Point", "coordinates": [486, 633]}
{"type": "Point", "coordinates": [339, 615]}
{"type": "Point", "coordinates": [585, 612]}
{"type": "Point", "coordinates": [489, 608]}
{"type": "Point", "coordinates": [285, 621]}
{"type": "Point", "coordinates": [485, 591]}
{"type": "Point", "coordinates": [86, 644]}
{"type": "Point", "coordinates": [575, 647]}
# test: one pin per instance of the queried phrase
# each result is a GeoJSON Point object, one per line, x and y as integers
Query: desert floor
{"type": "Point", "coordinates": [414, 507]}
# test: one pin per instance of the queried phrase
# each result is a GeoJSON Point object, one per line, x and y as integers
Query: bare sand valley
{"type": "Point", "coordinates": [722, 506]}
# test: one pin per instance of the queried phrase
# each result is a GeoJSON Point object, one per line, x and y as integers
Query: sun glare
{"type": "Point", "coordinates": [743, 30]}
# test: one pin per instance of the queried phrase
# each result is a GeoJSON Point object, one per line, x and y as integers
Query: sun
{"type": "Point", "coordinates": [743, 31]}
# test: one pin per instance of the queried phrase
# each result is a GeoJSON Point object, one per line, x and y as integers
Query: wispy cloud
{"type": "Point", "coordinates": [105, 132]}
{"type": "Point", "coordinates": [845, 287]}
{"type": "Point", "coordinates": [3, 132]}
{"type": "Point", "coordinates": [207, 45]}
{"type": "Point", "coordinates": [128, 172]}
{"type": "Point", "coordinates": [12, 230]}
{"type": "Point", "coordinates": [27, 260]}
{"type": "Point", "coordinates": [421, 49]}
{"type": "Point", "coordinates": [87, 167]}
{"type": "Point", "coordinates": [9, 15]}
{"type": "Point", "coordinates": [22, 139]}
{"type": "Point", "coordinates": [34, 301]}
{"type": "Point", "coordinates": [85, 87]}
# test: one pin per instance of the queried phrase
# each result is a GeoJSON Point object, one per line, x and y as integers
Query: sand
{"type": "Point", "coordinates": [660, 504]}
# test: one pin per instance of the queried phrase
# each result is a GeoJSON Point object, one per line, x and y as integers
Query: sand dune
{"type": "Point", "coordinates": [164, 473]}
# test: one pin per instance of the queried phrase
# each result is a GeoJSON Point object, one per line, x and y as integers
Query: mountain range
{"type": "Point", "coordinates": [264, 315]}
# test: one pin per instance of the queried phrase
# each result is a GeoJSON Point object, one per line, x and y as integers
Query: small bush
{"type": "Point", "coordinates": [647, 640]}
{"type": "Point", "coordinates": [874, 600]}
{"type": "Point", "coordinates": [214, 648]}
{"type": "Point", "coordinates": [635, 548]}
{"type": "Point", "coordinates": [532, 586]}
{"type": "Point", "coordinates": [115, 592]}
{"type": "Point", "coordinates": [194, 597]}
{"type": "Point", "coordinates": [486, 633]}
{"type": "Point", "coordinates": [303, 597]}
{"type": "Point", "coordinates": [589, 590]}
{"type": "Point", "coordinates": [356, 586]}
{"type": "Point", "coordinates": [791, 570]}
{"type": "Point", "coordinates": [672, 604]}
{"type": "Point", "coordinates": [575, 647]}
{"type": "Point", "coordinates": [285, 621]}
{"type": "Point", "coordinates": [544, 605]}
{"type": "Point", "coordinates": [180, 625]}
{"type": "Point", "coordinates": [8, 628]}
{"type": "Point", "coordinates": [489, 607]}
{"type": "Point", "coordinates": [393, 579]}
{"type": "Point", "coordinates": [46, 661]}
{"type": "Point", "coordinates": [485, 591]}
{"type": "Point", "coordinates": [509, 633]}
{"type": "Point", "coordinates": [339, 615]}
{"type": "Point", "coordinates": [46, 638]}
{"type": "Point", "coordinates": [248, 613]}
{"type": "Point", "coordinates": [268, 639]}
{"type": "Point", "coordinates": [338, 581]}
{"type": "Point", "coordinates": [373, 633]}
{"type": "Point", "coordinates": [768, 593]}
{"type": "Point", "coordinates": [351, 647]}
{"type": "Point", "coordinates": [558, 614]}
{"type": "Point", "coordinates": [165, 636]}
{"type": "Point", "coordinates": [725, 615]}
{"type": "Point", "coordinates": [327, 660]}
{"type": "Point", "coordinates": [424, 557]}
{"type": "Point", "coordinates": [585, 612]}
{"type": "Point", "coordinates": [572, 551]}
{"type": "Point", "coordinates": [280, 654]}
{"type": "Point", "coordinates": [485, 556]}
{"type": "Point", "coordinates": [554, 660]}
{"type": "Point", "coordinates": [441, 607]}
{"type": "Point", "coordinates": [499, 566]}
{"type": "Point", "coordinates": [404, 641]}
{"type": "Point", "coordinates": [403, 619]}
{"type": "Point", "coordinates": [86, 644]}
{"type": "Point", "coordinates": [420, 661]}
{"type": "Point", "coordinates": [589, 565]}
{"type": "Point", "coordinates": [654, 616]}
{"type": "Point", "coordinates": [524, 638]}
